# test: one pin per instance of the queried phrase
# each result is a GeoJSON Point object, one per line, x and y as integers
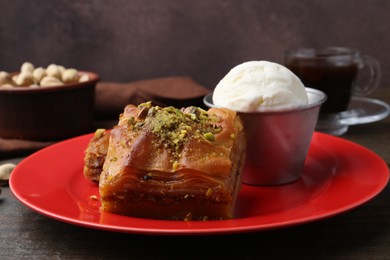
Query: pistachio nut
{"type": "Point", "coordinates": [5, 172]}
{"type": "Point", "coordinates": [27, 67]}
{"type": "Point", "coordinates": [49, 81]}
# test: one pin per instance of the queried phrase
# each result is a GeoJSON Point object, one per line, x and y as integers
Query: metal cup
{"type": "Point", "coordinates": [278, 141]}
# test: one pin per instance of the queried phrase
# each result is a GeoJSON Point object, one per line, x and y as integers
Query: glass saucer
{"type": "Point", "coordinates": [361, 110]}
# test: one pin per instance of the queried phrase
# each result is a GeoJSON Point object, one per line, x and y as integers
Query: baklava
{"type": "Point", "coordinates": [166, 163]}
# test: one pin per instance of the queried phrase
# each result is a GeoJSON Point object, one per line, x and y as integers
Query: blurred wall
{"type": "Point", "coordinates": [125, 40]}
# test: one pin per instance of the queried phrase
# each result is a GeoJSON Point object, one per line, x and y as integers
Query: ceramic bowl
{"type": "Point", "coordinates": [48, 113]}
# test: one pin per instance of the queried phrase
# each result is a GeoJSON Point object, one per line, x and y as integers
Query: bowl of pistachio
{"type": "Point", "coordinates": [46, 104]}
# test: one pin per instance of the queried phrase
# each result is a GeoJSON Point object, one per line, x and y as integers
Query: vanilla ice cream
{"type": "Point", "coordinates": [260, 86]}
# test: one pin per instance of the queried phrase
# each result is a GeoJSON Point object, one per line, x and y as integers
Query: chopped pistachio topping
{"type": "Point", "coordinates": [193, 116]}
{"type": "Point", "coordinates": [131, 121]}
{"type": "Point", "coordinates": [99, 132]}
{"type": "Point", "coordinates": [209, 136]}
{"type": "Point", "coordinates": [217, 130]}
{"type": "Point", "coordinates": [209, 192]}
{"type": "Point", "coordinates": [152, 111]}
{"type": "Point", "coordinates": [174, 127]}
{"type": "Point", "coordinates": [175, 165]}
{"type": "Point", "coordinates": [147, 104]}
{"type": "Point", "coordinates": [143, 112]}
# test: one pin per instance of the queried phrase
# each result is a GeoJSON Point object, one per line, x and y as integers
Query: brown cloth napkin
{"type": "Point", "coordinates": [178, 91]}
{"type": "Point", "coordinates": [111, 98]}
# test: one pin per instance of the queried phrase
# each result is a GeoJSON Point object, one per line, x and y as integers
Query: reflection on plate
{"type": "Point", "coordinates": [361, 110]}
{"type": "Point", "coordinates": [338, 176]}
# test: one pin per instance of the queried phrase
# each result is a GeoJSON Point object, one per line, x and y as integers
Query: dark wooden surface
{"type": "Point", "coordinates": [363, 233]}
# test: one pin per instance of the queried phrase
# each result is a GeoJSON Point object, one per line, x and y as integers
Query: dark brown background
{"type": "Point", "coordinates": [125, 40]}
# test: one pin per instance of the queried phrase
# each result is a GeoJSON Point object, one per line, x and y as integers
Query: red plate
{"type": "Point", "coordinates": [338, 176]}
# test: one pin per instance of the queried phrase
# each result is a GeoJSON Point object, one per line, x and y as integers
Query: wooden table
{"type": "Point", "coordinates": [362, 233]}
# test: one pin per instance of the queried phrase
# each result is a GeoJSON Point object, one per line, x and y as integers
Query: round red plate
{"type": "Point", "coordinates": [339, 175]}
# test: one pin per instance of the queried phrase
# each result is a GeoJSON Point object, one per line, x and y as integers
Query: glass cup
{"type": "Point", "coordinates": [340, 73]}
{"type": "Point", "coordinates": [278, 141]}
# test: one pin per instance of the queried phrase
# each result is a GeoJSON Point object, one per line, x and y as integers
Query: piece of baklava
{"type": "Point", "coordinates": [166, 163]}
{"type": "Point", "coordinates": [95, 155]}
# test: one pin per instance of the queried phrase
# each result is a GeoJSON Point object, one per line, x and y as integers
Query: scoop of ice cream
{"type": "Point", "coordinates": [260, 86]}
